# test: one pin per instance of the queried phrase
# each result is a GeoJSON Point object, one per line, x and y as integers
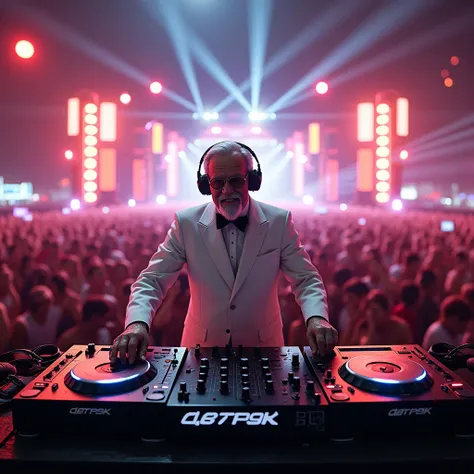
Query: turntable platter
{"type": "Point", "coordinates": [389, 376]}
{"type": "Point", "coordinates": [96, 376]}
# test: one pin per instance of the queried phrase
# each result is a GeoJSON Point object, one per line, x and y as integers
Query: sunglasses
{"type": "Point", "coordinates": [235, 181]}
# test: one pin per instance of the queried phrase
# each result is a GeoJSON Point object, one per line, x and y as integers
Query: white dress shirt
{"type": "Point", "coordinates": [234, 240]}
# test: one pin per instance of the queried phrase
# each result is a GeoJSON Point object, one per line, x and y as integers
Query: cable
{"type": "Point", "coordinates": [31, 362]}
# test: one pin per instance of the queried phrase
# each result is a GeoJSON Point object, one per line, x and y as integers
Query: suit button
{"type": "Point", "coordinates": [232, 307]}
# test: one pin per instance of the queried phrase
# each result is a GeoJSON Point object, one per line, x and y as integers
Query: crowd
{"type": "Point", "coordinates": [391, 278]}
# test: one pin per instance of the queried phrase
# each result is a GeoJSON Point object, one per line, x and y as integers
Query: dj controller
{"type": "Point", "coordinates": [247, 393]}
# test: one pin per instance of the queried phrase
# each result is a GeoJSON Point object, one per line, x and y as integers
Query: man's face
{"type": "Point", "coordinates": [229, 201]}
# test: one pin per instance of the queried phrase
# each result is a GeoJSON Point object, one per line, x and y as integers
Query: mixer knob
{"type": "Point", "coordinates": [245, 394]}
{"type": "Point", "coordinates": [244, 362]}
{"type": "Point", "coordinates": [224, 386]}
{"type": "Point", "coordinates": [203, 375]}
{"type": "Point", "coordinates": [295, 360]}
{"type": "Point", "coordinates": [205, 361]}
{"type": "Point", "coordinates": [186, 397]}
{"type": "Point", "coordinates": [224, 362]}
{"type": "Point", "coordinates": [224, 376]}
{"type": "Point", "coordinates": [224, 371]}
{"type": "Point", "coordinates": [265, 361]}
{"type": "Point", "coordinates": [182, 386]}
{"type": "Point", "coordinates": [329, 374]}
{"type": "Point", "coordinates": [310, 386]}
{"type": "Point", "coordinates": [265, 369]}
{"type": "Point", "coordinates": [244, 378]}
{"type": "Point", "coordinates": [317, 398]}
{"type": "Point", "coordinates": [201, 386]}
{"type": "Point", "coordinates": [296, 383]}
{"type": "Point", "coordinates": [215, 351]}
{"type": "Point", "coordinates": [269, 385]}
{"type": "Point", "coordinates": [291, 376]}
{"type": "Point", "coordinates": [268, 376]}
{"type": "Point", "coordinates": [91, 348]}
{"type": "Point", "coordinates": [197, 350]}
{"type": "Point", "coordinates": [204, 368]}
{"type": "Point", "coordinates": [180, 396]}
{"type": "Point", "coordinates": [244, 370]}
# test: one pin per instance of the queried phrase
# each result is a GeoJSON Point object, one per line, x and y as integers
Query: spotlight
{"type": "Point", "coordinates": [75, 205]}
{"type": "Point", "coordinates": [161, 199]}
{"type": "Point", "coordinates": [343, 207]}
{"type": "Point", "coordinates": [69, 155]}
{"type": "Point", "coordinates": [397, 205]}
{"type": "Point", "coordinates": [105, 210]}
{"type": "Point", "coordinates": [303, 159]}
{"type": "Point", "coordinates": [182, 154]}
{"type": "Point", "coordinates": [148, 126]}
{"type": "Point", "coordinates": [125, 98]}
{"type": "Point", "coordinates": [156, 87]}
{"type": "Point", "coordinates": [321, 88]}
{"type": "Point", "coordinates": [256, 116]}
{"type": "Point", "coordinates": [208, 116]}
{"type": "Point", "coordinates": [216, 130]}
{"type": "Point", "coordinates": [403, 155]}
{"type": "Point", "coordinates": [256, 130]}
{"type": "Point", "coordinates": [289, 154]}
{"type": "Point", "coordinates": [132, 203]}
{"type": "Point", "coordinates": [24, 49]}
{"type": "Point", "coordinates": [168, 158]}
{"type": "Point", "coordinates": [308, 200]}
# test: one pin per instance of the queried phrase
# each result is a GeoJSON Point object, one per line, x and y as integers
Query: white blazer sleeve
{"type": "Point", "coordinates": [305, 280]}
{"type": "Point", "coordinates": [152, 284]}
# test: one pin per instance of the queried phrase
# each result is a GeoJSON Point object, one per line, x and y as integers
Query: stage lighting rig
{"type": "Point", "coordinates": [208, 116]}
{"type": "Point", "coordinates": [257, 116]}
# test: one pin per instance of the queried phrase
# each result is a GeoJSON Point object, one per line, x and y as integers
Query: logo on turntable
{"type": "Point", "coordinates": [90, 411]}
{"type": "Point", "coordinates": [409, 411]}
{"type": "Point", "coordinates": [213, 418]}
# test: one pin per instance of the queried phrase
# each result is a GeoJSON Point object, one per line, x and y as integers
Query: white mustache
{"type": "Point", "coordinates": [229, 197]}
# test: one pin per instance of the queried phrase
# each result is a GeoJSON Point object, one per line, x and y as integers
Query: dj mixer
{"type": "Point", "coordinates": [261, 391]}
{"type": "Point", "coordinates": [244, 393]}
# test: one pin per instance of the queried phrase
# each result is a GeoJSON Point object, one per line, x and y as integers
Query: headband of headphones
{"type": "Point", "coordinates": [245, 147]}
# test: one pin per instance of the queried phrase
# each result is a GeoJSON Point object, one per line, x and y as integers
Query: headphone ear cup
{"type": "Point", "coordinates": [204, 186]}
{"type": "Point", "coordinates": [255, 180]}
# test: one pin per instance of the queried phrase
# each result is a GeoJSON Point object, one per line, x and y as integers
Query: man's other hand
{"type": "Point", "coordinates": [322, 337]}
{"type": "Point", "coordinates": [132, 342]}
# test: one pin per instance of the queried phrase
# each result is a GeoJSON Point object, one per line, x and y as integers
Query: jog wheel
{"type": "Point", "coordinates": [96, 377]}
{"type": "Point", "coordinates": [387, 376]}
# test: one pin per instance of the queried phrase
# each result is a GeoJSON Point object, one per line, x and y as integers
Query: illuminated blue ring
{"type": "Point", "coordinates": [371, 379]}
{"type": "Point", "coordinates": [111, 381]}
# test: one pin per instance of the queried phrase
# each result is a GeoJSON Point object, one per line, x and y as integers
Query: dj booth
{"type": "Point", "coordinates": [226, 409]}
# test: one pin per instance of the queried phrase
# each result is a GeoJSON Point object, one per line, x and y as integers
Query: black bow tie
{"type": "Point", "coordinates": [240, 222]}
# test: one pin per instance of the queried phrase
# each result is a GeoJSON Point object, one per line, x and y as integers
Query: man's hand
{"type": "Point", "coordinates": [133, 341]}
{"type": "Point", "coordinates": [321, 335]}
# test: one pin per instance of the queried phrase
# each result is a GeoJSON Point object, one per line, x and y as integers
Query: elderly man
{"type": "Point", "coordinates": [234, 248]}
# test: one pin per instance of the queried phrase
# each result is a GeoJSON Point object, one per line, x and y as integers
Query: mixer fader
{"type": "Point", "coordinates": [244, 389]}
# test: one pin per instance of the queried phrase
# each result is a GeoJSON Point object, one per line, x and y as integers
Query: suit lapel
{"type": "Point", "coordinates": [215, 244]}
{"type": "Point", "coordinates": [254, 236]}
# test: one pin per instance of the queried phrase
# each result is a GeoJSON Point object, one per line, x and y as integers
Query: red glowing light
{"type": "Point", "coordinates": [24, 49]}
{"type": "Point", "coordinates": [156, 87]}
{"type": "Point", "coordinates": [321, 87]}
{"type": "Point", "coordinates": [454, 60]}
{"type": "Point", "coordinates": [448, 82]}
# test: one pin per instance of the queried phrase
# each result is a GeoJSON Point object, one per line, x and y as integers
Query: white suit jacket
{"type": "Point", "coordinates": [246, 306]}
